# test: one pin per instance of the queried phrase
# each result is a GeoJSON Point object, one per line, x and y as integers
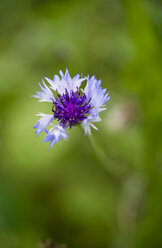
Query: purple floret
{"type": "Point", "coordinates": [70, 108]}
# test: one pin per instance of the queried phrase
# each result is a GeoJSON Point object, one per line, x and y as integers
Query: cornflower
{"type": "Point", "coordinates": [71, 105]}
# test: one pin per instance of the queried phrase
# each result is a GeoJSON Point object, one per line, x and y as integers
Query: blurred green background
{"type": "Point", "coordinates": [66, 194]}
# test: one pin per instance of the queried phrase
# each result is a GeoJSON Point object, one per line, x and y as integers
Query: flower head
{"type": "Point", "coordinates": [71, 105]}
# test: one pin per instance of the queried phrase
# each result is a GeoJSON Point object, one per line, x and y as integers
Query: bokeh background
{"type": "Point", "coordinates": [67, 194]}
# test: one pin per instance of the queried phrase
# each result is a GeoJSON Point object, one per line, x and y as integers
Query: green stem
{"type": "Point", "coordinates": [108, 165]}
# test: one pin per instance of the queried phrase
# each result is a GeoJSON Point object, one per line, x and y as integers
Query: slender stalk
{"type": "Point", "coordinates": [108, 165]}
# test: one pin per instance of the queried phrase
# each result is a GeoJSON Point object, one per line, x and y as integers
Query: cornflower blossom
{"type": "Point", "coordinates": [71, 105]}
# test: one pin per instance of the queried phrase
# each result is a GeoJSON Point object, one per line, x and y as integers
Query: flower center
{"type": "Point", "coordinates": [70, 108]}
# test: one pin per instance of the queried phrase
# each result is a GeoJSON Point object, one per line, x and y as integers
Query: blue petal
{"type": "Point", "coordinates": [45, 95]}
{"type": "Point", "coordinates": [43, 123]}
{"type": "Point", "coordinates": [55, 134]}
